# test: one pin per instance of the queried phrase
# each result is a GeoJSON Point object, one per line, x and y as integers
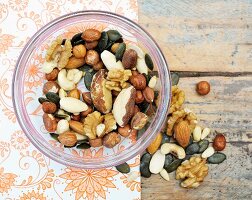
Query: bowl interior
{"type": "Point", "coordinates": [29, 79]}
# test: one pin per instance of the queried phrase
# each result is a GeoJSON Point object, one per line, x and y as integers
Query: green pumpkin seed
{"type": "Point", "coordinates": [173, 166]}
{"type": "Point", "coordinates": [114, 35]}
{"type": "Point", "coordinates": [190, 140]}
{"type": "Point", "coordinates": [53, 97]}
{"type": "Point", "coordinates": [148, 61]}
{"type": "Point", "coordinates": [82, 141]}
{"type": "Point", "coordinates": [168, 160]}
{"type": "Point", "coordinates": [123, 168]}
{"type": "Point", "coordinates": [175, 78]}
{"type": "Point", "coordinates": [88, 79]}
{"type": "Point", "coordinates": [120, 51]}
{"type": "Point", "coordinates": [83, 146]}
{"type": "Point", "coordinates": [147, 77]}
{"type": "Point", "coordinates": [109, 44]}
{"type": "Point", "coordinates": [217, 158]}
{"type": "Point", "coordinates": [143, 106]}
{"type": "Point", "coordinates": [103, 41]}
{"type": "Point", "coordinates": [203, 144]}
{"type": "Point", "coordinates": [192, 149]}
{"type": "Point", "coordinates": [144, 166]}
{"type": "Point", "coordinates": [54, 136]}
{"type": "Point", "coordinates": [42, 100]}
{"type": "Point", "coordinates": [165, 139]}
{"type": "Point", "coordinates": [85, 68]}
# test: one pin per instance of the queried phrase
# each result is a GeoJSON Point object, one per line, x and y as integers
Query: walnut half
{"type": "Point", "coordinates": [192, 172]}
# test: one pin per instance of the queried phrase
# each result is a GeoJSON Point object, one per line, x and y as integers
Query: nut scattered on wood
{"type": "Point", "coordinates": [219, 142]}
{"type": "Point", "coordinates": [203, 88]}
{"type": "Point", "coordinates": [192, 172]}
{"type": "Point", "coordinates": [182, 133]}
{"type": "Point", "coordinates": [178, 98]}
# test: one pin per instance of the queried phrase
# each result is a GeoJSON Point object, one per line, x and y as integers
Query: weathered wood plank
{"type": "Point", "coordinates": [201, 35]}
{"type": "Point", "coordinates": [231, 180]}
{"type": "Point", "coordinates": [227, 108]}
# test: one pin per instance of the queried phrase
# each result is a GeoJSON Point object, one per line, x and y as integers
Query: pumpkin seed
{"type": "Point", "coordinates": [192, 149]}
{"type": "Point", "coordinates": [83, 146]}
{"type": "Point", "coordinates": [203, 144]}
{"type": "Point", "coordinates": [173, 166]}
{"type": "Point", "coordinates": [143, 106]}
{"type": "Point", "coordinates": [82, 141]}
{"type": "Point", "coordinates": [78, 42]}
{"type": "Point", "coordinates": [175, 78]}
{"type": "Point", "coordinates": [114, 35]}
{"type": "Point", "coordinates": [63, 42]}
{"type": "Point", "coordinates": [103, 41]}
{"type": "Point", "coordinates": [109, 44]}
{"type": "Point", "coordinates": [85, 68]}
{"type": "Point", "coordinates": [165, 139]}
{"type": "Point", "coordinates": [76, 38]}
{"type": "Point", "coordinates": [123, 168]}
{"type": "Point", "coordinates": [148, 61]}
{"type": "Point", "coordinates": [147, 77]}
{"type": "Point", "coordinates": [53, 97]}
{"type": "Point", "coordinates": [42, 99]}
{"type": "Point", "coordinates": [144, 169]}
{"type": "Point", "coordinates": [54, 136]}
{"type": "Point", "coordinates": [120, 51]}
{"type": "Point", "coordinates": [190, 140]}
{"type": "Point", "coordinates": [88, 79]}
{"type": "Point", "coordinates": [168, 160]}
{"type": "Point", "coordinates": [217, 158]}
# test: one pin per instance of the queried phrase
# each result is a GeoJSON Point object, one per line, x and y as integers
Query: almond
{"type": "Point", "coordinates": [124, 104]}
{"type": "Point", "coordinates": [74, 63]}
{"type": "Point", "coordinates": [129, 59]}
{"type": "Point", "coordinates": [182, 133]}
{"type": "Point", "coordinates": [153, 147]}
{"type": "Point", "coordinates": [101, 96]}
{"type": "Point", "coordinates": [67, 138]}
{"type": "Point", "coordinates": [91, 35]}
{"type": "Point", "coordinates": [76, 126]}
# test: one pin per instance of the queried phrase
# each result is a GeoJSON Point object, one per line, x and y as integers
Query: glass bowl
{"type": "Point", "coordinates": [28, 82]}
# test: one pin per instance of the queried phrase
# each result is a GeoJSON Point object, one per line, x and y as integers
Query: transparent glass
{"type": "Point", "coordinates": [28, 82]}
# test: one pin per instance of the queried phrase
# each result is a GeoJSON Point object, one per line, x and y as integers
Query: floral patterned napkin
{"type": "Point", "coordinates": [25, 173]}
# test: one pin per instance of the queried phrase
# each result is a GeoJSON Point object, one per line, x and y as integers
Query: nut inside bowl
{"type": "Point", "coordinates": [28, 81]}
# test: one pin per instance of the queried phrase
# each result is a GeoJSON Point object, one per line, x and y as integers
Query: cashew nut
{"type": "Point", "coordinates": [141, 66]}
{"type": "Point", "coordinates": [49, 66]}
{"type": "Point", "coordinates": [109, 61]}
{"type": "Point", "coordinates": [72, 105]}
{"type": "Point", "coordinates": [70, 74]}
{"type": "Point", "coordinates": [64, 82]}
{"type": "Point", "coordinates": [62, 126]}
{"type": "Point", "coordinates": [62, 93]}
{"type": "Point", "coordinates": [173, 148]}
{"type": "Point", "coordinates": [77, 76]}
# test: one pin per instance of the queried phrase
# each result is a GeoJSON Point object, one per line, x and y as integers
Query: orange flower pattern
{"type": "Point", "coordinates": [6, 180]}
{"type": "Point", "coordinates": [32, 196]}
{"type": "Point", "coordinates": [25, 173]}
{"type": "Point", "coordinates": [19, 141]}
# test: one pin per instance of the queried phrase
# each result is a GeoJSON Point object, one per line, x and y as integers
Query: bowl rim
{"type": "Point", "coordinates": [165, 101]}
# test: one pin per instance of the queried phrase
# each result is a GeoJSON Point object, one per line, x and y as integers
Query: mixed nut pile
{"type": "Point", "coordinates": [122, 88]}
{"type": "Point", "coordinates": [183, 147]}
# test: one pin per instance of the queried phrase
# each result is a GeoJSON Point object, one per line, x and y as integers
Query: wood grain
{"type": "Point", "coordinates": [227, 109]}
{"type": "Point", "coordinates": [201, 35]}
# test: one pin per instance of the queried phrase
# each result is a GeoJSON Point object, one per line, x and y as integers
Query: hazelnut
{"type": "Point", "coordinates": [203, 88]}
{"type": "Point", "coordinates": [75, 93]}
{"type": "Point", "coordinates": [97, 142]}
{"type": "Point", "coordinates": [125, 131]}
{"type": "Point", "coordinates": [139, 96]}
{"type": "Point", "coordinates": [92, 57]}
{"type": "Point", "coordinates": [148, 94]}
{"type": "Point", "coordinates": [138, 81]}
{"type": "Point", "coordinates": [114, 47]}
{"type": "Point", "coordinates": [51, 86]}
{"type": "Point", "coordinates": [136, 110]}
{"type": "Point", "coordinates": [91, 45]}
{"type": "Point", "coordinates": [219, 142]}
{"type": "Point", "coordinates": [75, 117]}
{"type": "Point", "coordinates": [112, 139]}
{"type": "Point", "coordinates": [139, 120]}
{"type": "Point", "coordinates": [49, 107]}
{"type": "Point", "coordinates": [79, 51]}
{"type": "Point", "coordinates": [87, 97]}
{"type": "Point", "coordinates": [98, 66]}
{"type": "Point", "coordinates": [129, 59]}
{"type": "Point", "coordinates": [86, 112]}
{"type": "Point", "coordinates": [53, 75]}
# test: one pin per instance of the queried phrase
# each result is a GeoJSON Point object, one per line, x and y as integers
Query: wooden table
{"type": "Point", "coordinates": [212, 41]}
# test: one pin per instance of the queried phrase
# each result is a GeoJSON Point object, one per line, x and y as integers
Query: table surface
{"type": "Point", "coordinates": [212, 41]}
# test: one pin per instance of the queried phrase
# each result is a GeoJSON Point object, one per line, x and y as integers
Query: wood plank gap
{"type": "Point", "coordinates": [204, 74]}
